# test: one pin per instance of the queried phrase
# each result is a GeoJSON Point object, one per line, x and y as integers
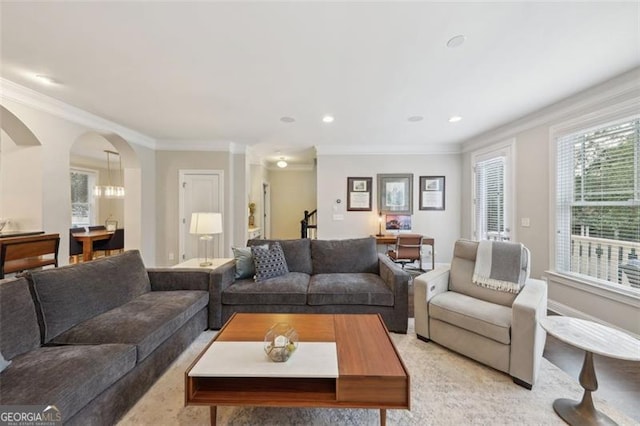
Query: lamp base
{"type": "Point", "coordinates": [206, 263]}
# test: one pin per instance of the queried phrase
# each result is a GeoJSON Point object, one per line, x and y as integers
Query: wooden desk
{"type": "Point", "coordinates": [87, 239]}
{"type": "Point", "coordinates": [28, 252]}
{"type": "Point", "coordinates": [426, 241]}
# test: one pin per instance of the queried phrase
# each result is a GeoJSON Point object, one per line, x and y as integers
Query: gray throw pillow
{"type": "Point", "coordinates": [269, 262]}
{"type": "Point", "coordinates": [244, 262]}
{"type": "Point", "coordinates": [3, 363]}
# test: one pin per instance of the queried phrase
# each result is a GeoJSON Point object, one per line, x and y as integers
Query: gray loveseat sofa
{"type": "Point", "coordinates": [325, 276]}
{"type": "Point", "coordinates": [91, 338]}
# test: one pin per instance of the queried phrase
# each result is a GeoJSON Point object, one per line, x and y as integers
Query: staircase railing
{"type": "Point", "coordinates": [309, 225]}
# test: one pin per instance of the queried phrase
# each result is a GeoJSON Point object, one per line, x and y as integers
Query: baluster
{"type": "Point", "coordinates": [620, 258]}
{"type": "Point", "coordinates": [580, 257]}
{"type": "Point", "coordinates": [608, 262]}
{"type": "Point", "coordinates": [598, 260]}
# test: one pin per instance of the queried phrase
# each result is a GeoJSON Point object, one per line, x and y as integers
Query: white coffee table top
{"type": "Point", "coordinates": [593, 337]}
{"type": "Point", "coordinates": [248, 359]}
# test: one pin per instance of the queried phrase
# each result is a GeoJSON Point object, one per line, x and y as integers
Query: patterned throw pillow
{"type": "Point", "coordinates": [244, 262]}
{"type": "Point", "coordinates": [269, 262]}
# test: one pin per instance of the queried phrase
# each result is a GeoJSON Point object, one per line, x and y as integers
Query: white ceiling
{"type": "Point", "coordinates": [200, 72]}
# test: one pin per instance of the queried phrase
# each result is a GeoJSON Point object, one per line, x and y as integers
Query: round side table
{"type": "Point", "coordinates": [593, 338]}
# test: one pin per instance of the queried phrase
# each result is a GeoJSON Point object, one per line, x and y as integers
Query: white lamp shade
{"type": "Point", "coordinates": [206, 223]}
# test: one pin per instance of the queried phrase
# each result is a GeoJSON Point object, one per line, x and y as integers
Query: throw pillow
{"type": "Point", "coordinates": [269, 262]}
{"type": "Point", "coordinates": [244, 262]}
{"type": "Point", "coordinates": [3, 362]}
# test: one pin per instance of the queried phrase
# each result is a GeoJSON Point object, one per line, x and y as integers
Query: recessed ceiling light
{"type": "Point", "coordinates": [287, 119]}
{"type": "Point", "coordinates": [456, 41]}
{"type": "Point", "coordinates": [45, 79]}
{"type": "Point", "coordinates": [454, 119]}
{"type": "Point", "coordinates": [328, 119]}
{"type": "Point", "coordinates": [415, 118]}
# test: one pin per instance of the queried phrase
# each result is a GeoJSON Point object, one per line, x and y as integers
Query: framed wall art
{"type": "Point", "coordinates": [359, 198]}
{"type": "Point", "coordinates": [432, 193]}
{"type": "Point", "coordinates": [395, 193]}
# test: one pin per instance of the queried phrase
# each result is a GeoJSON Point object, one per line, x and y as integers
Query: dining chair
{"type": "Point", "coordinates": [97, 228]}
{"type": "Point", "coordinates": [116, 242]}
{"type": "Point", "coordinates": [75, 247]}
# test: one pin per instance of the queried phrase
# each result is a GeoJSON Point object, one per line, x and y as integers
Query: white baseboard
{"type": "Point", "coordinates": [568, 311]}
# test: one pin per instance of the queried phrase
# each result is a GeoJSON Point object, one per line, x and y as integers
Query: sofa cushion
{"type": "Point", "coordinates": [461, 278]}
{"type": "Point", "coordinates": [69, 295]}
{"type": "Point", "coordinates": [68, 377]}
{"type": "Point", "coordinates": [289, 289]}
{"type": "Point", "coordinates": [349, 289]}
{"type": "Point", "coordinates": [296, 252]}
{"type": "Point", "coordinates": [269, 262]}
{"type": "Point", "coordinates": [146, 321]}
{"type": "Point", "coordinates": [484, 318]}
{"type": "Point", "coordinates": [244, 262]}
{"type": "Point", "coordinates": [19, 329]}
{"type": "Point", "coordinates": [357, 255]}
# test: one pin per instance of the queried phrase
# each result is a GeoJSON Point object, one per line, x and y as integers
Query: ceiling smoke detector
{"type": "Point", "coordinates": [456, 41]}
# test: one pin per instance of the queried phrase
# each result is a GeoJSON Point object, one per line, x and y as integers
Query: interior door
{"type": "Point", "coordinates": [200, 191]}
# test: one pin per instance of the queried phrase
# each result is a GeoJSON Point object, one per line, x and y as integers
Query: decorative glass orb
{"type": "Point", "coordinates": [280, 342]}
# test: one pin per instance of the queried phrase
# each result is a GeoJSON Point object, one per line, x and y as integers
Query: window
{"type": "Point", "coordinates": [491, 196]}
{"type": "Point", "coordinates": [598, 203]}
{"type": "Point", "coordinates": [83, 210]}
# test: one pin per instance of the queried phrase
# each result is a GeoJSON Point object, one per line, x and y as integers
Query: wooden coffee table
{"type": "Point", "coordinates": [370, 372]}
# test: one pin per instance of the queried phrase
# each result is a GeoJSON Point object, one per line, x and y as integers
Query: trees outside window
{"type": "Point", "coordinates": [83, 211]}
{"type": "Point", "coordinates": [598, 203]}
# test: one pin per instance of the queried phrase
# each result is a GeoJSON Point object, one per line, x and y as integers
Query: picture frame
{"type": "Point", "coordinates": [432, 193]}
{"type": "Point", "coordinates": [395, 193]}
{"type": "Point", "coordinates": [359, 194]}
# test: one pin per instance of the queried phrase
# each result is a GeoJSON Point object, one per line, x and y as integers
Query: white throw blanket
{"type": "Point", "coordinates": [499, 266]}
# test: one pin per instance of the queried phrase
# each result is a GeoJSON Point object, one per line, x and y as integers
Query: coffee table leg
{"type": "Point", "coordinates": [383, 417]}
{"type": "Point", "coordinates": [583, 412]}
{"type": "Point", "coordinates": [214, 414]}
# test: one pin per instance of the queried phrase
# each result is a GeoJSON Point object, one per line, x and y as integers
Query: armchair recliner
{"type": "Point", "coordinates": [499, 329]}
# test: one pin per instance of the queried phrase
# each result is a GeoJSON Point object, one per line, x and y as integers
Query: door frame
{"type": "Point", "coordinates": [266, 210]}
{"type": "Point", "coordinates": [182, 220]}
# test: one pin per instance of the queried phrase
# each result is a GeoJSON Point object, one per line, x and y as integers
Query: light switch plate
{"type": "Point", "coordinates": [525, 222]}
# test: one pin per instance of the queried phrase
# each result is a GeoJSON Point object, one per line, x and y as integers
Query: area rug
{"type": "Point", "coordinates": [446, 389]}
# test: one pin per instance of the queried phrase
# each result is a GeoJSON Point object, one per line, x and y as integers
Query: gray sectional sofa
{"type": "Point", "coordinates": [325, 276]}
{"type": "Point", "coordinates": [92, 338]}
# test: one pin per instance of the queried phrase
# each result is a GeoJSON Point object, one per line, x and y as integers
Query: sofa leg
{"type": "Point", "coordinates": [522, 383]}
{"type": "Point", "coordinates": [424, 339]}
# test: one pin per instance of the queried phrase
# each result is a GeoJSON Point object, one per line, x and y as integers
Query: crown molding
{"type": "Point", "coordinates": [200, 145]}
{"type": "Point", "coordinates": [14, 92]}
{"type": "Point", "coordinates": [620, 89]}
{"type": "Point", "coordinates": [436, 149]}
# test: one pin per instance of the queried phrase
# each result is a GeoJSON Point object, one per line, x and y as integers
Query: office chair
{"type": "Point", "coordinates": [408, 249]}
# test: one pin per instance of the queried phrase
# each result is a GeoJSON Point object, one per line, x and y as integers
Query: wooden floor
{"type": "Point", "coordinates": [618, 381]}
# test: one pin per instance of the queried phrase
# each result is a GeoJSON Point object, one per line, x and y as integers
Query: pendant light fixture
{"type": "Point", "coordinates": [110, 190]}
{"type": "Point", "coordinates": [281, 163]}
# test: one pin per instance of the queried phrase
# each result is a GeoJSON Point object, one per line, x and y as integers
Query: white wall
{"type": "Point", "coordinates": [332, 173]}
{"type": "Point", "coordinates": [534, 183]}
{"type": "Point", "coordinates": [292, 192]}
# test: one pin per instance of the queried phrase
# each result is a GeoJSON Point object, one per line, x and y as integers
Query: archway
{"type": "Point", "coordinates": [20, 187]}
{"type": "Point", "coordinates": [132, 202]}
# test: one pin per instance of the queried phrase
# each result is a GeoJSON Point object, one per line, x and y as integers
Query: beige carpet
{"type": "Point", "coordinates": [446, 389]}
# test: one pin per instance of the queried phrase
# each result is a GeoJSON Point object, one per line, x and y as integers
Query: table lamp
{"type": "Point", "coordinates": [379, 234]}
{"type": "Point", "coordinates": [206, 224]}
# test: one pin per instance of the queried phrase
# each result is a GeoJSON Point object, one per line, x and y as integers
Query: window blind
{"type": "Point", "coordinates": [489, 199]}
{"type": "Point", "coordinates": [598, 203]}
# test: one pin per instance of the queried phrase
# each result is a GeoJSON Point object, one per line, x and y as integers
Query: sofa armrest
{"type": "Point", "coordinates": [168, 279]}
{"type": "Point", "coordinates": [393, 275]}
{"type": "Point", "coordinates": [221, 278]}
{"type": "Point", "coordinates": [527, 335]}
{"type": "Point", "coordinates": [425, 287]}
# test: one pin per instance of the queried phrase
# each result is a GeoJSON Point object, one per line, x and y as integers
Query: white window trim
{"type": "Point", "coordinates": [507, 148]}
{"type": "Point", "coordinates": [601, 117]}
